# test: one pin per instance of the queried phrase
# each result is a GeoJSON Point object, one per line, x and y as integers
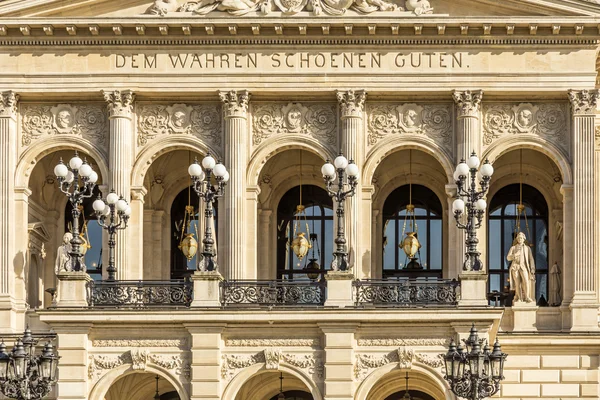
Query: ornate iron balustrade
{"type": "Point", "coordinates": [272, 293]}
{"type": "Point", "coordinates": [406, 292]}
{"type": "Point", "coordinates": [176, 293]}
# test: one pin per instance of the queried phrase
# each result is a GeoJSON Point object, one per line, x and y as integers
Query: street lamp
{"type": "Point", "coordinates": [465, 177]}
{"type": "Point", "coordinates": [474, 373]}
{"type": "Point", "coordinates": [340, 168]}
{"type": "Point", "coordinates": [117, 211]}
{"type": "Point", "coordinates": [25, 375]}
{"type": "Point", "coordinates": [209, 193]}
{"type": "Point", "coordinates": [77, 181]}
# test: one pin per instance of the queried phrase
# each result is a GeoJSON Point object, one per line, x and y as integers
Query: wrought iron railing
{"type": "Point", "coordinates": [124, 294]}
{"type": "Point", "coordinates": [406, 292]}
{"type": "Point", "coordinates": [272, 293]}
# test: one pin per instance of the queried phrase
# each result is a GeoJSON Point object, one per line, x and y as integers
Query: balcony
{"type": "Point", "coordinates": [406, 293]}
{"type": "Point", "coordinates": [272, 293]}
{"type": "Point", "coordinates": [139, 294]}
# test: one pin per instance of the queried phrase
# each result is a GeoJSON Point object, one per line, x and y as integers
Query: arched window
{"type": "Point", "coordinates": [91, 232]}
{"type": "Point", "coordinates": [181, 267]}
{"type": "Point", "coordinates": [319, 217]}
{"type": "Point", "coordinates": [294, 395]}
{"type": "Point", "coordinates": [414, 395]}
{"type": "Point", "coordinates": [428, 214]}
{"type": "Point", "coordinates": [501, 233]}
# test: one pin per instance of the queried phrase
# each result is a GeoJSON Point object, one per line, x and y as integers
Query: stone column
{"type": "Point", "coordinates": [72, 347]}
{"type": "Point", "coordinates": [252, 239]}
{"type": "Point", "coordinates": [8, 163]}
{"type": "Point", "coordinates": [352, 107]}
{"type": "Point", "coordinates": [206, 361]}
{"type": "Point", "coordinates": [233, 248]}
{"type": "Point", "coordinates": [584, 304]}
{"type": "Point", "coordinates": [136, 234]}
{"type": "Point", "coordinates": [120, 160]}
{"type": "Point", "coordinates": [568, 267]}
{"type": "Point", "coordinates": [339, 360]}
{"type": "Point", "coordinates": [264, 223]}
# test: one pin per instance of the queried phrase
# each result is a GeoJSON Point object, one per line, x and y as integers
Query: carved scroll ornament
{"type": "Point", "coordinates": [468, 102]}
{"type": "Point", "coordinates": [584, 101]}
{"type": "Point", "coordinates": [8, 103]}
{"type": "Point", "coordinates": [402, 342]}
{"type": "Point", "coordinates": [119, 102]}
{"type": "Point", "coordinates": [255, 342]}
{"type": "Point", "coordinates": [403, 356]}
{"type": "Point", "coordinates": [139, 359]}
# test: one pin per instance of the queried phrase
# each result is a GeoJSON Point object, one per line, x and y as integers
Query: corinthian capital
{"type": "Point", "coordinates": [468, 102]}
{"type": "Point", "coordinates": [8, 104]}
{"type": "Point", "coordinates": [583, 101]}
{"type": "Point", "coordinates": [352, 103]}
{"type": "Point", "coordinates": [235, 104]}
{"type": "Point", "coordinates": [120, 102]}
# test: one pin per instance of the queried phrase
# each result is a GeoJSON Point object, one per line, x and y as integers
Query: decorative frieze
{"type": "Point", "coordinates": [403, 356]}
{"type": "Point", "coordinates": [431, 120]}
{"type": "Point", "coordinates": [402, 342]}
{"type": "Point", "coordinates": [352, 103]}
{"type": "Point", "coordinates": [263, 342]}
{"type": "Point", "coordinates": [139, 343]}
{"type": "Point", "coordinates": [8, 103]}
{"type": "Point", "coordinates": [202, 121]}
{"type": "Point", "coordinates": [468, 102]}
{"type": "Point", "coordinates": [89, 121]}
{"type": "Point", "coordinates": [317, 120]}
{"type": "Point", "coordinates": [139, 359]}
{"type": "Point", "coordinates": [547, 120]}
{"type": "Point", "coordinates": [120, 102]}
{"type": "Point", "coordinates": [584, 101]}
{"type": "Point", "coordinates": [235, 104]}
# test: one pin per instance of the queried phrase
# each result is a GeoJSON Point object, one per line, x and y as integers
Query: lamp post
{"type": "Point", "coordinates": [209, 193]}
{"type": "Point", "coordinates": [465, 177]}
{"type": "Point", "coordinates": [474, 373]}
{"type": "Point", "coordinates": [25, 375]}
{"type": "Point", "coordinates": [113, 216]}
{"type": "Point", "coordinates": [77, 181]}
{"type": "Point", "coordinates": [340, 169]}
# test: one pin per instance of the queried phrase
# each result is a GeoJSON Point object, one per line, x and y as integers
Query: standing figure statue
{"type": "Point", "coordinates": [555, 286]}
{"type": "Point", "coordinates": [522, 269]}
{"type": "Point", "coordinates": [63, 259]}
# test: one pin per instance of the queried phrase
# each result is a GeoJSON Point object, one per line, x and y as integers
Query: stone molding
{"type": "Point", "coordinates": [550, 121]}
{"type": "Point", "coordinates": [352, 103]}
{"type": "Point", "coordinates": [139, 359]}
{"type": "Point", "coordinates": [201, 120]}
{"type": "Point", "coordinates": [318, 120]}
{"type": "Point", "coordinates": [468, 102]}
{"type": "Point", "coordinates": [403, 356]}
{"type": "Point", "coordinates": [235, 104]}
{"type": "Point", "coordinates": [261, 342]}
{"type": "Point", "coordinates": [139, 343]}
{"type": "Point", "coordinates": [272, 358]}
{"type": "Point", "coordinates": [403, 342]}
{"type": "Point", "coordinates": [584, 102]}
{"type": "Point", "coordinates": [8, 104]}
{"type": "Point", "coordinates": [89, 121]}
{"type": "Point", "coordinates": [120, 103]}
{"type": "Point", "coordinates": [597, 138]}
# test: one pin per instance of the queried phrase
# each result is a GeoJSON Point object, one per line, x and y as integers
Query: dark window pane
{"type": "Point", "coordinates": [494, 244]}
{"type": "Point", "coordinates": [435, 261]}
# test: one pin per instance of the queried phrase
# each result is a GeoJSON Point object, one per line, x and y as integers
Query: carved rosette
{"type": "Point", "coordinates": [584, 101]}
{"type": "Point", "coordinates": [549, 121]}
{"type": "Point", "coordinates": [235, 104]}
{"type": "Point", "coordinates": [202, 121]}
{"type": "Point", "coordinates": [120, 103]}
{"type": "Point", "coordinates": [231, 364]}
{"type": "Point", "coordinates": [40, 120]}
{"type": "Point", "coordinates": [403, 356]}
{"type": "Point", "coordinates": [139, 359]}
{"type": "Point", "coordinates": [316, 120]}
{"type": "Point", "coordinates": [468, 102]}
{"type": "Point", "coordinates": [352, 103]}
{"type": "Point", "coordinates": [8, 104]}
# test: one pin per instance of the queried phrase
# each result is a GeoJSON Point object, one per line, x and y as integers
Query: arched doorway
{"type": "Point", "coordinates": [293, 395]}
{"type": "Point", "coordinates": [414, 395]}
{"type": "Point", "coordinates": [267, 385]}
{"type": "Point", "coordinates": [141, 386]}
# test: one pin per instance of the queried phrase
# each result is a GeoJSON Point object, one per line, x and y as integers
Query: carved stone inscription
{"type": "Point", "coordinates": [202, 121]}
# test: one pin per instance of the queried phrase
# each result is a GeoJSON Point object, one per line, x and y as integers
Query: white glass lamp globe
{"type": "Point", "coordinates": [98, 205]}
{"type": "Point", "coordinates": [61, 170]}
{"type": "Point", "coordinates": [352, 170]}
{"type": "Point", "coordinates": [112, 198]}
{"type": "Point", "coordinates": [106, 210]}
{"type": "Point", "coordinates": [458, 206]}
{"type": "Point", "coordinates": [473, 162]}
{"type": "Point", "coordinates": [481, 205]}
{"type": "Point", "coordinates": [70, 177]}
{"type": "Point", "coordinates": [340, 162]}
{"type": "Point", "coordinates": [487, 170]}
{"type": "Point", "coordinates": [75, 162]}
{"type": "Point", "coordinates": [127, 211]}
{"type": "Point", "coordinates": [208, 162]}
{"type": "Point", "coordinates": [462, 169]}
{"type": "Point", "coordinates": [85, 170]}
{"type": "Point", "coordinates": [456, 176]}
{"type": "Point", "coordinates": [328, 169]}
{"type": "Point", "coordinates": [121, 205]}
{"type": "Point", "coordinates": [219, 170]}
{"type": "Point", "coordinates": [226, 177]}
{"type": "Point", "coordinates": [93, 177]}
{"type": "Point", "coordinates": [195, 170]}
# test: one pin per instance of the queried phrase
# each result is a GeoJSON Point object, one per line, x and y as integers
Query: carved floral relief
{"type": "Point", "coordinates": [203, 121]}
{"type": "Point", "coordinates": [138, 358]}
{"type": "Point", "coordinates": [403, 356]}
{"type": "Point", "coordinates": [549, 121]}
{"type": "Point", "coordinates": [316, 120]}
{"type": "Point", "coordinates": [279, 342]}
{"type": "Point", "coordinates": [431, 120]}
{"type": "Point", "coordinates": [89, 121]}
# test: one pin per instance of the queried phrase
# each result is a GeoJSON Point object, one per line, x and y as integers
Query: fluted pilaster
{"type": "Point", "coordinates": [120, 110]}
{"type": "Point", "coordinates": [233, 249]}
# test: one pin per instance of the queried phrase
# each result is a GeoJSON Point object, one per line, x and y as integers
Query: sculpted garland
{"type": "Point", "coordinates": [403, 356]}
{"type": "Point", "coordinates": [139, 360]}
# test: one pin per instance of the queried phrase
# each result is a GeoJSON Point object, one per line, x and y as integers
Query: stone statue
{"type": "Point", "coordinates": [522, 269]}
{"type": "Point", "coordinates": [555, 297]}
{"type": "Point", "coordinates": [63, 259]}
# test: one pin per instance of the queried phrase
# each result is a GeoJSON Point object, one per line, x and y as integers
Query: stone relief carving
{"type": "Point", "coordinates": [403, 356]}
{"type": "Point", "coordinates": [88, 121]}
{"type": "Point", "coordinates": [584, 101]}
{"type": "Point", "coordinates": [289, 7]}
{"type": "Point", "coordinates": [119, 102]}
{"type": "Point", "coordinates": [403, 342]}
{"type": "Point", "coordinates": [139, 343]}
{"type": "Point", "coordinates": [8, 103]}
{"type": "Point", "coordinates": [255, 342]}
{"type": "Point", "coordinates": [235, 104]}
{"type": "Point", "coordinates": [546, 120]}
{"type": "Point", "coordinates": [352, 103]}
{"type": "Point", "coordinates": [468, 102]}
{"type": "Point", "coordinates": [316, 120]}
{"type": "Point", "coordinates": [232, 363]}
{"type": "Point", "coordinates": [202, 121]}
{"type": "Point", "coordinates": [139, 359]}
{"type": "Point", "coordinates": [431, 120]}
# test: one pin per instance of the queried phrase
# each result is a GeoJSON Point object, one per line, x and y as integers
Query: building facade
{"type": "Point", "coordinates": [273, 89]}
